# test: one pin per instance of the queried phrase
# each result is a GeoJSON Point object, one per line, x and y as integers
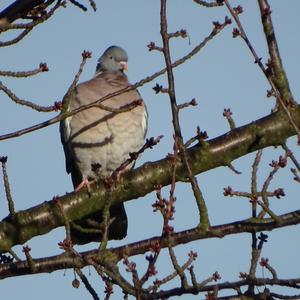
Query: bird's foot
{"type": "Point", "coordinates": [85, 183]}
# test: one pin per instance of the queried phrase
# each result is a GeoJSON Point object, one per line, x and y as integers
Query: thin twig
{"type": "Point", "coordinates": [255, 253]}
{"type": "Point", "coordinates": [85, 55]}
{"type": "Point", "coordinates": [87, 284]}
{"type": "Point", "coordinates": [78, 4]}
{"type": "Point", "coordinates": [105, 214]}
{"type": "Point", "coordinates": [27, 103]}
{"type": "Point", "coordinates": [296, 176]}
{"type": "Point", "coordinates": [5, 27]}
{"type": "Point", "coordinates": [93, 5]}
{"type": "Point", "coordinates": [268, 211]}
{"type": "Point", "coordinates": [233, 169]}
{"type": "Point", "coordinates": [177, 267]}
{"type": "Point", "coordinates": [29, 259]}
{"type": "Point", "coordinates": [264, 262]}
{"type": "Point", "coordinates": [16, 39]}
{"type": "Point", "coordinates": [228, 115]}
{"type": "Point", "coordinates": [291, 155]}
{"type": "Point", "coordinates": [203, 214]}
{"type": "Point", "coordinates": [14, 255]}
{"type": "Point", "coordinates": [11, 206]}
{"type": "Point", "coordinates": [112, 270]}
{"type": "Point", "coordinates": [42, 68]}
{"type": "Point", "coordinates": [170, 277]}
{"type": "Point", "coordinates": [208, 4]}
{"type": "Point", "coordinates": [200, 137]}
{"type": "Point", "coordinates": [125, 108]}
{"type": "Point", "coordinates": [276, 166]}
{"type": "Point", "coordinates": [228, 191]}
{"type": "Point", "coordinates": [254, 180]}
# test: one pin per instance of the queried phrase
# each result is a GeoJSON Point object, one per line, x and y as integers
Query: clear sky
{"type": "Point", "coordinates": [222, 75]}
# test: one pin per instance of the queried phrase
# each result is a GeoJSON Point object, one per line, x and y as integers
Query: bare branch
{"type": "Point", "coordinates": [19, 9]}
{"type": "Point", "coordinates": [290, 155]}
{"type": "Point", "coordinates": [27, 103]}
{"type": "Point", "coordinates": [209, 4]}
{"type": "Point", "coordinates": [11, 206]}
{"type": "Point", "coordinates": [41, 18]}
{"type": "Point", "coordinates": [42, 68]}
{"type": "Point", "coordinates": [279, 77]}
{"type": "Point", "coordinates": [283, 103]}
{"type": "Point", "coordinates": [86, 283]}
{"type": "Point", "coordinates": [203, 214]}
{"type": "Point", "coordinates": [16, 39]}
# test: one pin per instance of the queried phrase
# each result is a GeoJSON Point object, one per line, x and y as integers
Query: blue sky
{"type": "Point", "coordinates": [222, 75]}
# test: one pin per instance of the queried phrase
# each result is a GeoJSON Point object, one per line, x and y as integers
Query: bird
{"type": "Point", "coordinates": [96, 141]}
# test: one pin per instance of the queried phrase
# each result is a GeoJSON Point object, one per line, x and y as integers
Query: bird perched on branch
{"type": "Point", "coordinates": [98, 140]}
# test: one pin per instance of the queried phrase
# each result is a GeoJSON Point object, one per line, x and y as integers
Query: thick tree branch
{"type": "Point", "coordinates": [4, 24]}
{"type": "Point", "coordinates": [23, 8]}
{"type": "Point", "coordinates": [68, 260]}
{"type": "Point", "coordinates": [268, 131]}
{"type": "Point", "coordinates": [19, 9]}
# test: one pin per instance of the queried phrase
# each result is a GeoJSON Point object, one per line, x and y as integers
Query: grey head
{"type": "Point", "coordinates": [114, 59]}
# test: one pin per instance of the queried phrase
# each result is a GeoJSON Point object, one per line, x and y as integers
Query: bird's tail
{"type": "Point", "coordinates": [90, 228]}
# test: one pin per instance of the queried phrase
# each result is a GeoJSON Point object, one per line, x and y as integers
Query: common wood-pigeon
{"type": "Point", "coordinates": [96, 141]}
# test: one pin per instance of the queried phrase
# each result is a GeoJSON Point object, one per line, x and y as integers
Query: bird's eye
{"type": "Point", "coordinates": [111, 57]}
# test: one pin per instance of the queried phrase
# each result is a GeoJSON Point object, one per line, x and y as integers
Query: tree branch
{"type": "Point", "coordinates": [19, 9]}
{"type": "Point", "coordinates": [268, 131]}
{"type": "Point", "coordinates": [275, 64]}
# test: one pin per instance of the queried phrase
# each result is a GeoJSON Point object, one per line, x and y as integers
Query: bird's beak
{"type": "Point", "coordinates": [124, 65]}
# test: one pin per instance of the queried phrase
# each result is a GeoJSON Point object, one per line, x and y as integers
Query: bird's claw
{"type": "Point", "coordinates": [85, 183]}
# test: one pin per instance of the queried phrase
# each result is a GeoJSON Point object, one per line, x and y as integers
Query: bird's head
{"type": "Point", "coordinates": [114, 59]}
